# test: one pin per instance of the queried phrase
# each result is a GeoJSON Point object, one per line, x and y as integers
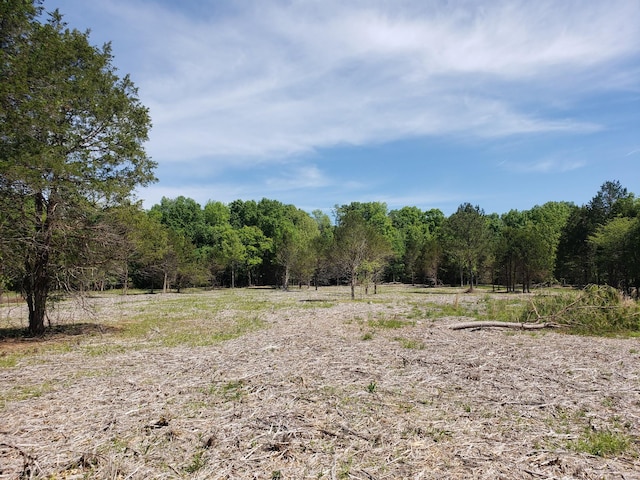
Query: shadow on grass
{"type": "Point", "coordinates": [12, 334]}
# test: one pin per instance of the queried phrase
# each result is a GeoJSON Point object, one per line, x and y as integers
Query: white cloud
{"type": "Point", "coordinates": [279, 79]}
{"type": "Point", "coordinates": [299, 177]}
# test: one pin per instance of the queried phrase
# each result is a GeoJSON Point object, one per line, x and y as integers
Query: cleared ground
{"type": "Point", "coordinates": [268, 384]}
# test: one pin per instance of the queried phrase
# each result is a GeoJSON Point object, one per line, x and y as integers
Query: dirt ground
{"type": "Point", "coordinates": [325, 393]}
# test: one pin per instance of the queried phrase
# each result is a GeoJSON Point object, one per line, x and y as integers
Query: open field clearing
{"type": "Point", "coordinates": [266, 384]}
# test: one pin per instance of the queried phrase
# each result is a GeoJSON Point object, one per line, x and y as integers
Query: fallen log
{"type": "Point", "coordinates": [496, 324]}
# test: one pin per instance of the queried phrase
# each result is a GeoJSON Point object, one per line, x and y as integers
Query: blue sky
{"type": "Point", "coordinates": [430, 103]}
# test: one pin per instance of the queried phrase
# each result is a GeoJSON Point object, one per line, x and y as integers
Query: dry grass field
{"type": "Point", "coordinates": [266, 384]}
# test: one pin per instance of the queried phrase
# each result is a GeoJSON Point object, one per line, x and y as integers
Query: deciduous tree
{"type": "Point", "coordinates": [358, 244]}
{"type": "Point", "coordinates": [466, 237]}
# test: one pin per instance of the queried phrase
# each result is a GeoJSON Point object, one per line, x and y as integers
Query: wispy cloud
{"type": "Point", "coordinates": [545, 165]}
{"type": "Point", "coordinates": [279, 79]}
{"type": "Point", "coordinates": [633, 152]}
{"type": "Point", "coordinates": [298, 177]}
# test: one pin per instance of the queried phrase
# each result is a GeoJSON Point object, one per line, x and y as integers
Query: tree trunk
{"type": "Point", "coordinates": [125, 284]}
{"type": "Point", "coordinates": [36, 293]}
{"type": "Point", "coordinates": [36, 282]}
{"type": "Point", "coordinates": [353, 284]}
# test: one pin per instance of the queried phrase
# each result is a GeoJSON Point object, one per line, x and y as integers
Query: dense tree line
{"type": "Point", "coordinates": [178, 243]}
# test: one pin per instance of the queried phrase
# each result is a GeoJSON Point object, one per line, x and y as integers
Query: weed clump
{"type": "Point", "coordinates": [601, 444]}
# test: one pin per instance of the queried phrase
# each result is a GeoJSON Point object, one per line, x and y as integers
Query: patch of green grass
{"type": "Point", "coordinates": [192, 320]}
{"type": "Point", "coordinates": [367, 336]}
{"type": "Point", "coordinates": [410, 343]}
{"type": "Point", "coordinates": [506, 310]}
{"type": "Point", "coordinates": [372, 387]}
{"type": "Point", "coordinates": [602, 443]}
{"type": "Point", "coordinates": [198, 461]}
{"type": "Point", "coordinates": [317, 304]}
{"type": "Point", "coordinates": [417, 313]}
{"type": "Point", "coordinates": [197, 327]}
{"type": "Point", "coordinates": [255, 306]}
{"type": "Point", "coordinates": [120, 444]}
{"type": "Point", "coordinates": [344, 469]}
{"type": "Point", "coordinates": [436, 434]}
{"type": "Point", "coordinates": [104, 349]}
{"type": "Point", "coordinates": [212, 333]}
{"type": "Point", "coordinates": [19, 393]}
{"type": "Point", "coordinates": [8, 360]}
{"type": "Point", "coordinates": [432, 310]}
{"type": "Point", "coordinates": [231, 391]}
{"type": "Point", "coordinates": [391, 323]}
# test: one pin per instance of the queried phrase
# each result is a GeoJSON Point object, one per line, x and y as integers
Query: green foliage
{"type": "Point", "coordinates": [229, 251]}
{"type": "Point", "coordinates": [255, 245]}
{"type": "Point", "coordinates": [524, 253]}
{"type": "Point", "coordinates": [414, 247]}
{"type": "Point", "coordinates": [616, 259]}
{"type": "Point", "coordinates": [359, 248]}
{"type": "Point", "coordinates": [466, 240]}
{"type": "Point", "coordinates": [216, 213]}
{"type": "Point", "coordinates": [185, 217]}
{"type": "Point", "coordinates": [611, 200]}
{"type": "Point", "coordinates": [293, 245]}
{"type": "Point", "coordinates": [374, 214]}
{"type": "Point", "coordinates": [576, 254]}
{"type": "Point", "coordinates": [344, 469]}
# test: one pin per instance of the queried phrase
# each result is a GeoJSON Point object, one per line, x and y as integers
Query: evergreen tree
{"type": "Point", "coordinates": [72, 136]}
